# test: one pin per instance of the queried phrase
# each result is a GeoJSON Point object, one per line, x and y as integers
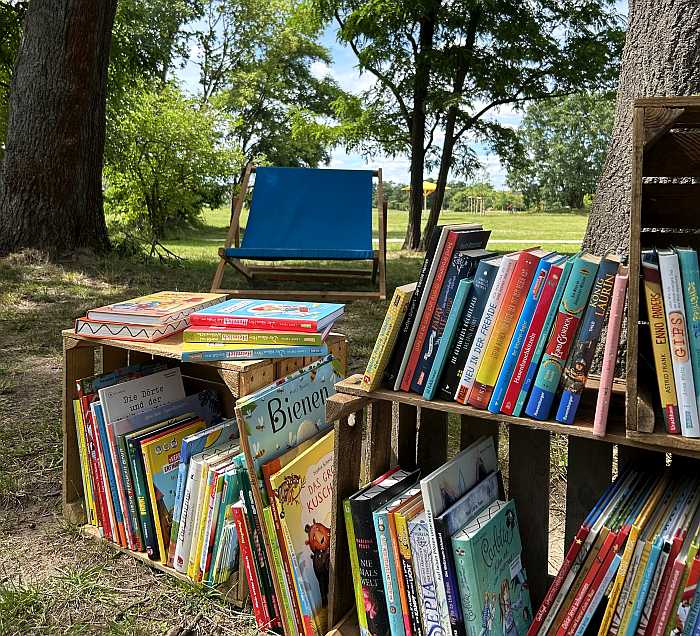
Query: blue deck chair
{"type": "Point", "coordinates": [306, 214]}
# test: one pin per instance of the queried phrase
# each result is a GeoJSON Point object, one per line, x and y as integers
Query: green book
{"type": "Point", "coordinates": [690, 274]}
{"type": "Point", "coordinates": [223, 334]}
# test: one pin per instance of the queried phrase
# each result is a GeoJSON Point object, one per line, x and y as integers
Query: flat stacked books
{"type": "Point", "coordinates": [514, 334]}
{"type": "Point", "coordinates": [672, 294]}
{"type": "Point", "coordinates": [146, 318]}
{"type": "Point", "coordinates": [439, 554]}
{"type": "Point", "coordinates": [242, 329]}
{"type": "Point", "coordinates": [634, 565]}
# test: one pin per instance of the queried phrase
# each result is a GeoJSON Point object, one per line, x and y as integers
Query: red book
{"type": "Point", "coordinates": [530, 342]}
{"type": "Point", "coordinates": [665, 579]}
{"type": "Point", "coordinates": [667, 602]}
{"type": "Point", "coordinates": [433, 295]}
{"type": "Point", "coordinates": [94, 453]}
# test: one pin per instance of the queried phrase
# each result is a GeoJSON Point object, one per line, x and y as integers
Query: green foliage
{"type": "Point", "coordinates": [11, 16]}
{"type": "Point", "coordinates": [566, 141]}
{"type": "Point", "coordinates": [493, 199]}
{"type": "Point", "coordinates": [165, 162]}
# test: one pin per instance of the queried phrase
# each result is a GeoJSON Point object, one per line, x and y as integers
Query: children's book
{"type": "Point", "coordinates": [269, 315]}
{"type": "Point", "coordinates": [216, 351]}
{"type": "Point", "coordinates": [252, 337]}
{"type": "Point", "coordinates": [425, 576]}
{"type": "Point", "coordinates": [159, 308]}
{"type": "Point", "coordinates": [124, 331]}
{"type": "Point", "coordinates": [690, 274]}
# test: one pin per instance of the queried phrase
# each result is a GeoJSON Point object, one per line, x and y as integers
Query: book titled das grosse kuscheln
{"type": "Point", "coordinates": [269, 314]}
{"type": "Point", "coordinates": [252, 337]}
{"type": "Point", "coordinates": [159, 308]}
{"type": "Point", "coordinates": [216, 351]}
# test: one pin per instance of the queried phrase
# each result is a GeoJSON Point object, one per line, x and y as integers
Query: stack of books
{"type": "Point", "coordinates": [514, 334]}
{"type": "Point", "coordinates": [146, 318]}
{"type": "Point", "coordinates": [672, 292]}
{"type": "Point", "coordinates": [634, 565]}
{"type": "Point", "coordinates": [242, 329]}
{"type": "Point", "coordinates": [439, 554]}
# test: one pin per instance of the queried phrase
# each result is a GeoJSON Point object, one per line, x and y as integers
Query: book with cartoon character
{"type": "Point", "coordinates": [303, 496]}
{"type": "Point", "coordinates": [492, 583]}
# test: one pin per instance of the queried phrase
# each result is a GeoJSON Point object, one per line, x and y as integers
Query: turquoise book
{"type": "Point", "coordinates": [221, 351]}
{"type": "Point", "coordinates": [521, 328]}
{"type": "Point", "coordinates": [448, 336]}
{"type": "Point", "coordinates": [491, 579]}
{"type": "Point", "coordinates": [690, 274]}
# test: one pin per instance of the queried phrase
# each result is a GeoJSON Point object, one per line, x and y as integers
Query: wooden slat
{"type": "Point", "coordinates": [113, 358]}
{"type": "Point", "coordinates": [692, 102]}
{"type": "Point", "coordinates": [404, 437]}
{"type": "Point", "coordinates": [341, 296]}
{"type": "Point", "coordinates": [432, 439]}
{"type": "Point", "coordinates": [658, 121]}
{"type": "Point", "coordinates": [376, 445]}
{"type": "Point", "coordinates": [342, 405]}
{"type": "Point", "coordinates": [472, 428]}
{"type": "Point", "coordinates": [528, 471]}
{"type": "Point", "coordinates": [675, 154]}
{"type": "Point", "coordinates": [348, 626]}
{"type": "Point", "coordinates": [322, 274]}
{"type": "Point", "coordinates": [588, 473]}
{"type": "Point", "coordinates": [347, 450]}
{"type": "Point", "coordinates": [670, 205]}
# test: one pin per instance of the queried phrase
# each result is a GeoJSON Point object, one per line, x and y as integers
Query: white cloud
{"type": "Point", "coordinates": [319, 69]}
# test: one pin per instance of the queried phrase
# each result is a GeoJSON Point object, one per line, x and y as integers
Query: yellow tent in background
{"type": "Point", "coordinates": [428, 188]}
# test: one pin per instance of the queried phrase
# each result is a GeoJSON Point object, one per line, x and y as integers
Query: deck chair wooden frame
{"type": "Point", "coordinates": [377, 274]}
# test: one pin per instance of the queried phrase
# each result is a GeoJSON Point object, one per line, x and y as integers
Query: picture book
{"type": "Point", "coordinates": [215, 351]}
{"type": "Point", "coordinates": [690, 275]}
{"type": "Point", "coordinates": [92, 384]}
{"type": "Point", "coordinates": [269, 315]}
{"type": "Point", "coordinates": [303, 494]}
{"type": "Point", "coordinates": [159, 308]}
{"type": "Point", "coordinates": [125, 331]}
{"type": "Point", "coordinates": [253, 337]}
{"type": "Point", "coordinates": [403, 556]}
{"type": "Point", "coordinates": [425, 575]}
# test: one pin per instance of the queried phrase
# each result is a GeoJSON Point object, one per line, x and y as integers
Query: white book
{"type": "Point", "coordinates": [483, 332]}
{"type": "Point", "coordinates": [426, 292]}
{"type": "Point", "coordinates": [212, 512]}
{"type": "Point", "coordinates": [445, 485]}
{"type": "Point", "coordinates": [672, 289]}
{"type": "Point", "coordinates": [184, 535]}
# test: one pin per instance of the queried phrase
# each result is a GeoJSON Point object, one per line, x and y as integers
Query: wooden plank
{"type": "Point", "coordinates": [78, 362]}
{"type": "Point", "coordinates": [376, 445]}
{"type": "Point", "coordinates": [472, 428]}
{"type": "Point", "coordinates": [342, 405]}
{"type": "Point", "coordinates": [285, 366]}
{"type": "Point", "coordinates": [113, 358]}
{"type": "Point", "coordinates": [322, 274]}
{"type": "Point", "coordinates": [588, 473]}
{"type": "Point", "coordinates": [691, 101]}
{"type": "Point", "coordinates": [528, 472]}
{"type": "Point", "coordinates": [629, 456]}
{"type": "Point", "coordinates": [657, 122]}
{"type": "Point", "coordinates": [675, 154]}
{"type": "Point", "coordinates": [348, 626]}
{"type": "Point", "coordinates": [338, 347]}
{"type": "Point", "coordinates": [348, 446]}
{"type": "Point", "coordinates": [431, 444]}
{"type": "Point", "coordinates": [666, 205]}
{"type": "Point", "coordinates": [244, 383]}
{"type": "Point", "coordinates": [404, 437]}
{"type": "Point", "coordinates": [341, 296]}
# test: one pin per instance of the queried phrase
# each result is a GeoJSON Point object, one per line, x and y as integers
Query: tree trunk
{"type": "Point", "coordinates": [51, 179]}
{"type": "Point", "coordinates": [661, 57]}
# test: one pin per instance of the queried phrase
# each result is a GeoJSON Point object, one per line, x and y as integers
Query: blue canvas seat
{"type": "Point", "coordinates": [306, 214]}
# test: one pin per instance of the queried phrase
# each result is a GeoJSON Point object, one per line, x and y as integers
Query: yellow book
{"type": "Point", "coordinates": [387, 337]}
{"type": "Point", "coordinates": [161, 460]}
{"type": "Point", "coordinates": [90, 509]}
{"type": "Point", "coordinates": [401, 517]}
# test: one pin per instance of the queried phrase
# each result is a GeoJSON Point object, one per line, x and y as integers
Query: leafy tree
{"type": "Point", "coordinates": [565, 142]}
{"type": "Point", "coordinates": [446, 67]}
{"type": "Point", "coordinates": [166, 161]}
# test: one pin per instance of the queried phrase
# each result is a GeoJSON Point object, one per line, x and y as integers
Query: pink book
{"type": "Point", "coordinates": [617, 308]}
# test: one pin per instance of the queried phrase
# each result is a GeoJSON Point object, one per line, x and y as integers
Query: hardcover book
{"type": "Point", "coordinates": [690, 275]}
{"type": "Point", "coordinates": [124, 331]}
{"type": "Point", "coordinates": [252, 337]}
{"type": "Point", "coordinates": [216, 351]}
{"type": "Point", "coordinates": [425, 576]}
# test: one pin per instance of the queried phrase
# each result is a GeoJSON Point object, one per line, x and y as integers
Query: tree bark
{"type": "Point", "coordinates": [51, 178]}
{"type": "Point", "coordinates": [661, 58]}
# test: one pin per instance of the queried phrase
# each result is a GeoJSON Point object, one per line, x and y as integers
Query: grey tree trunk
{"type": "Point", "coordinates": [51, 178]}
{"type": "Point", "coordinates": [661, 57]}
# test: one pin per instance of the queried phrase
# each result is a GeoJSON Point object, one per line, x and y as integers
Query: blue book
{"type": "Point", "coordinates": [219, 351]}
{"type": "Point", "coordinates": [690, 273]}
{"type": "Point", "coordinates": [521, 327]}
{"type": "Point", "coordinates": [692, 627]}
{"type": "Point", "coordinates": [447, 337]}
{"type": "Point", "coordinates": [647, 577]}
{"type": "Point", "coordinates": [579, 361]}
{"type": "Point", "coordinates": [463, 265]}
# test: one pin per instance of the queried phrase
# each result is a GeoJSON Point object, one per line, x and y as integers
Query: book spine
{"type": "Point", "coordinates": [690, 274]}
{"type": "Point", "coordinates": [84, 464]}
{"type": "Point", "coordinates": [504, 326]}
{"type": "Point", "coordinates": [386, 339]}
{"type": "Point", "coordinates": [517, 342]}
{"type": "Point", "coordinates": [400, 577]}
{"type": "Point", "coordinates": [561, 339]}
{"type": "Point", "coordinates": [187, 516]}
{"type": "Point", "coordinates": [626, 625]}
{"type": "Point", "coordinates": [667, 605]}
{"type": "Point", "coordinates": [406, 561]}
{"type": "Point", "coordinates": [212, 519]}
{"type": "Point", "coordinates": [254, 354]}
{"type": "Point", "coordinates": [468, 325]}
{"type": "Point", "coordinates": [579, 363]}
{"type": "Point", "coordinates": [656, 313]}
{"type": "Point", "coordinates": [126, 504]}
{"type": "Point", "coordinates": [130, 493]}
{"type": "Point", "coordinates": [104, 480]}
{"type": "Point", "coordinates": [612, 342]}
{"type": "Point", "coordinates": [672, 290]}
{"type": "Point", "coordinates": [431, 303]}
{"type": "Point", "coordinates": [182, 472]}
{"type": "Point", "coordinates": [252, 338]}
{"type": "Point", "coordinates": [645, 587]}
{"type": "Point", "coordinates": [162, 552]}
{"type": "Point", "coordinates": [271, 324]}
{"type": "Point", "coordinates": [468, 585]}
{"type": "Point", "coordinates": [389, 573]}
{"type": "Point", "coordinates": [690, 594]}
{"type": "Point", "coordinates": [99, 495]}
{"type": "Point", "coordinates": [660, 584]}
{"type": "Point", "coordinates": [144, 506]}
{"type": "Point", "coordinates": [355, 567]}
{"type": "Point", "coordinates": [449, 576]}
{"type": "Point", "coordinates": [600, 593]}
{"type": "Point", "coordinates": [425, 577]}
{"type": "Point", "coordinates": [484, 330]}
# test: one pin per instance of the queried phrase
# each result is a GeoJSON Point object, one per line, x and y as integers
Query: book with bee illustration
{"type": "Point", "coordinates": [303, 496]}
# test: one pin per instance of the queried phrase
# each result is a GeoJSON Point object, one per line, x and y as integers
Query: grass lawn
{"type": "Point", "coordinates": [53, 581]}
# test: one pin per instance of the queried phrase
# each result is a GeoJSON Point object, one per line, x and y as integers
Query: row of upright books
{"type": "Point", "coordinates": [672, 293]}
{"type": "Point", "coordinates": [634, 564]}
{"type": "Point", "coordinates": [438, 555]}
{"type": "Point", "coordinates": [514, 334]}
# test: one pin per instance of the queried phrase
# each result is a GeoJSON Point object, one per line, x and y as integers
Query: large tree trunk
{"type": "Point", "coordinates": [661, 57]}
{"type": "Point", "coordinates": [51, 179]}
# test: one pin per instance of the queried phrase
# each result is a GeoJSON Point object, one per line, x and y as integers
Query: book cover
{"type": "Point", "coordinates": [672, 290]}
{"type": "Point", "coordinates": [159, 308]}
{"type": "Point", "coordinates": [252, 337]}
{"type": "Point", "coordinates": [400, 517]}
{"type": "Point", "coordinates": [573, 380]}
{"type": "Point", "coordinates": [505, 322]}
{"type": "Point", "coordinates": [84, 464]}
{"type": "Point", "coordinates": [571, 307]}
{"type": "Point", "coordinates": [425, 576]}
{"type": "Point", "coordinates": [124, 331]}
{"type": "Point", "coordinates": [447, 338]}
{"type": "Point", "coordinates": [355, 568]}
{"type": "Point", "coordinates": [468, 324]}
{"type": "Point", "coordinates": [492, 582]}
{"type": "Point", "coordinates": [445, 486]}
{"type": "Point", "coordinates": [690, 276]}
{"type": "Point", "coordinates": [462, 265]}
{"type": "Point", "coordinates": [275, 315]}
{"type": "Point", "coordinates": [95, 469]}
{"type": "Point", "coordinates": [537, 287]}
{"type": "Point", "coordinates": [656, 314]}
{"type": "Point", "coordinates": [388, 333]}
{"type": "Point", "coordinates": [303, 491]}
{"type": "Point", "coordinates": [217, 351]}
{"type": "Point", "coordinates": [91, 384]}
{"type": "Point", "coordinates": [612, 345]}
{"type": "Point", "coordinates": [486, 324]}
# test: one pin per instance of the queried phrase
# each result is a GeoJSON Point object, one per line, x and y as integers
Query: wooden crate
{"type": "Point", "coordinates": [666, 145]}
{"type": "Point", "coordinates": [83, 357]}
{"type": "Point", "coordinates": [387, 428]}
